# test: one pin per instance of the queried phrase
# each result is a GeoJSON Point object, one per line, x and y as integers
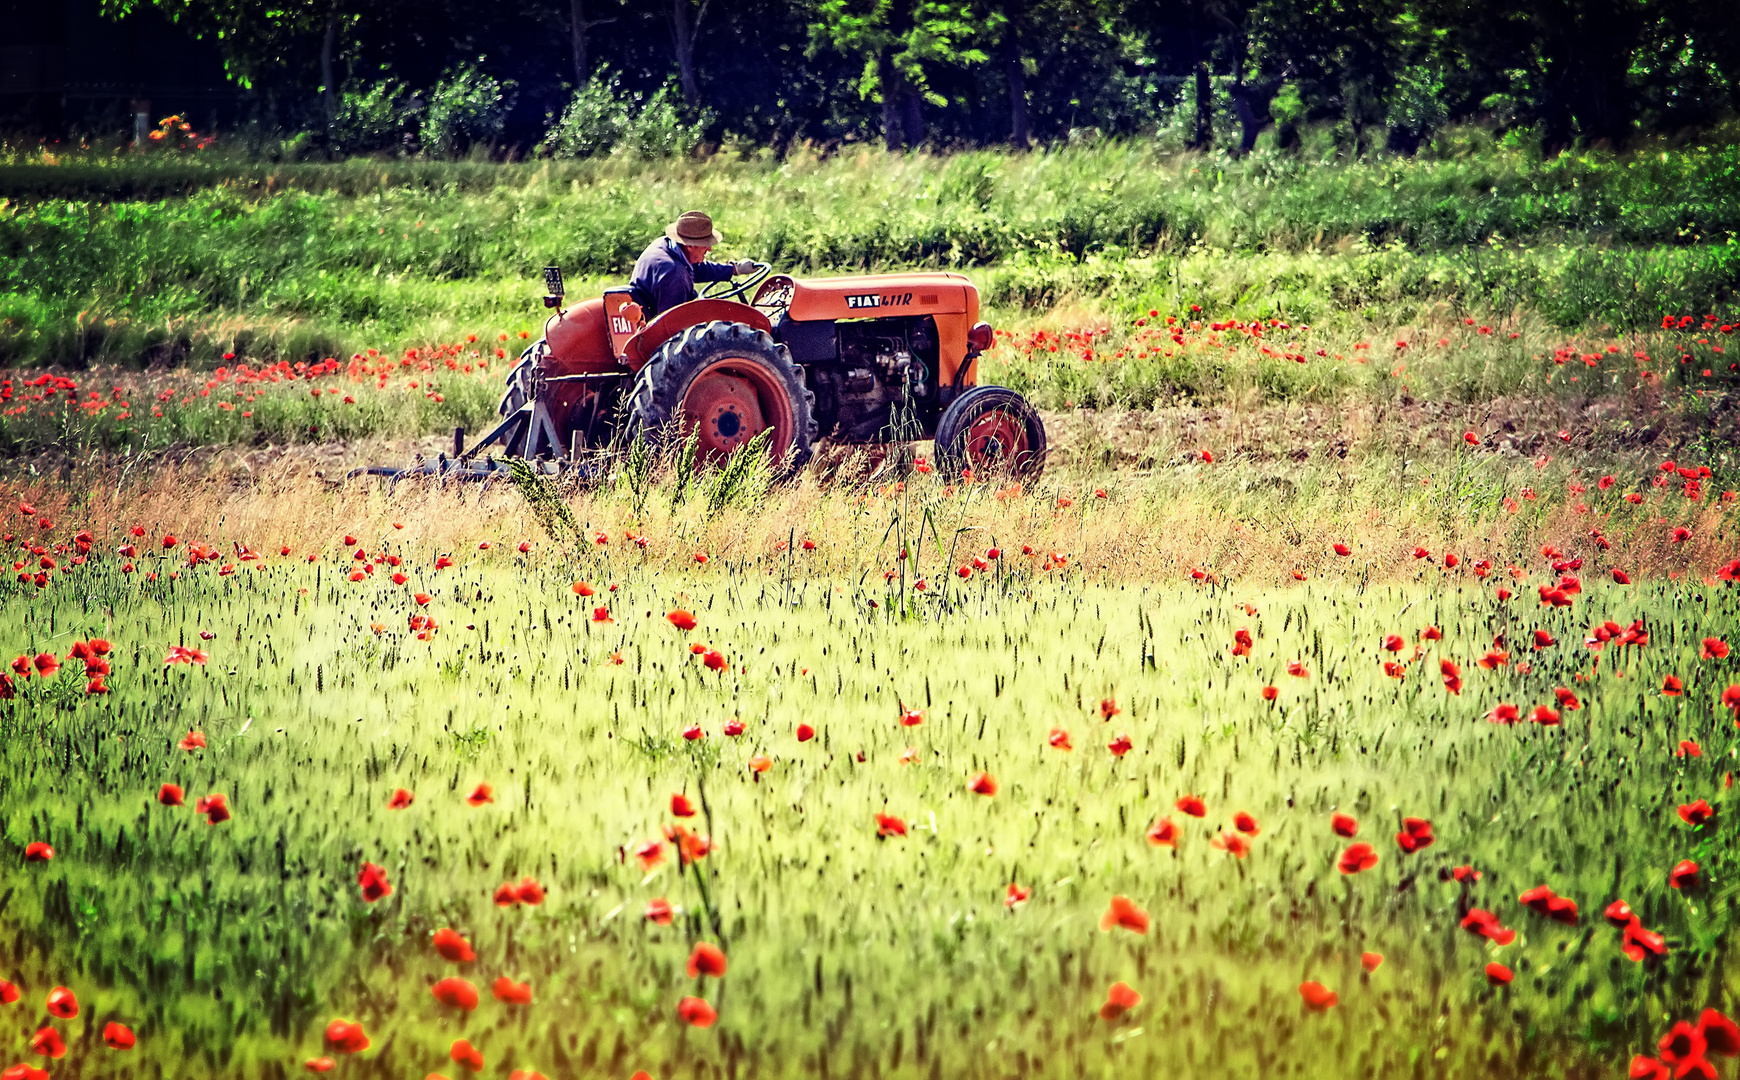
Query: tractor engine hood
{"type": "Point", "coordinates": [874, 296]}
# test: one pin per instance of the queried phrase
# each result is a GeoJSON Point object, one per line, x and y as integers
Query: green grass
{"type": "Point", "coordinates": [154, 261]}
{"type": "Point", "coordinates": [230, 947]}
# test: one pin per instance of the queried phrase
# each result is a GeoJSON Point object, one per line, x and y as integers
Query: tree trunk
{"type": "Point", "coordinates": [913, 121]}
{"type": "Point", "coordinates": [582, 64]}
{"type": "Point", "coordinates": [1250, 124]}
{"type": "Point", "coordinates": [888, 77]}
{"type": "Point", "coordinates": [1019, 134]}
{"type": "Point", "coordinates": [328, 45]}
{"type": "Point", "coordinates": [683, 32]}
{"type": "Point", "coordinates": [1204, 94]}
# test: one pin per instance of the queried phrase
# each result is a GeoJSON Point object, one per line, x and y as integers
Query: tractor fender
{"type": "Point", "coordinates": [576, 341]}
{"type": "Point", "coordinates": [641, 347]}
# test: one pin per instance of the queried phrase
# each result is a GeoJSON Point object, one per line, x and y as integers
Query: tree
{"type": "Point", "coordinates": [684, 17]}
{"type": "Point", "coordinates": [579, 27]}
{"type": "Point", "coordinates": [896, 40]}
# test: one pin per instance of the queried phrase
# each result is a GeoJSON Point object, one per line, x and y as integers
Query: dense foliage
{"type": "Point", "coordinates": [911, 72]}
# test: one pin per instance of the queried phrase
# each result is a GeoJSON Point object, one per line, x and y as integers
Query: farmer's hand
{"type": "Point", "coordinates": [743, 266]}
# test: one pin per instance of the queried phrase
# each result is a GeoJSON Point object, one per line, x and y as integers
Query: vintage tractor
{"type": "Point", "coordinates": [887, 358]}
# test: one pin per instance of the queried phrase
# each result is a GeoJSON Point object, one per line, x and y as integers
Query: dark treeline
{"type": "Point", "coordinates": [1378, 73]}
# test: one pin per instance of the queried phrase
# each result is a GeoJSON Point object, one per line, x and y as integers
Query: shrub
{"type": "Point", "coordinates": [373, 117]}
{"type": "Point", "coordinates": [466, 108]}
{"type": "Point", "coordinates": [602, 119]}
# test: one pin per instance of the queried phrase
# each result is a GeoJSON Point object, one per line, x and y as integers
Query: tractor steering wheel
{"type": "Point", "coordinates": [726, 290]}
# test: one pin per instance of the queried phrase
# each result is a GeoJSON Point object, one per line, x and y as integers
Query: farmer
{"type": "Point", "coordinates": [667, 271]}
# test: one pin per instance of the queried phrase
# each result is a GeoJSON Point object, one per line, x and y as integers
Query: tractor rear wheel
{"type": "Point", "coordinates": [725, 383]}
{"type": "Point", "coordinates": [991, 429]}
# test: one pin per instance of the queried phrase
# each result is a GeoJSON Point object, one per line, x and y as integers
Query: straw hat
{"type": "Point", "coordinates": [694, 229]}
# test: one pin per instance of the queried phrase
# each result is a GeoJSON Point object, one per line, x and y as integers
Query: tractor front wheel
{"type": "Point", "coordinates": [991, 429]}
{"type": "Point", "coordinates": [724, 383]}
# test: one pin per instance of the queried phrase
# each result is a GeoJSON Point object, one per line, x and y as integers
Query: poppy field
{"type": "Point", "coordinates": [929, 779]}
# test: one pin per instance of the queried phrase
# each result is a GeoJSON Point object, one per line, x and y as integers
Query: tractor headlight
{"type": "Point", "coordinates": [979, 338]}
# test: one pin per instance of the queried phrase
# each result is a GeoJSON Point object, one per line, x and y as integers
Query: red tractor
{"type": "Point", "coordinates": [872, 359]}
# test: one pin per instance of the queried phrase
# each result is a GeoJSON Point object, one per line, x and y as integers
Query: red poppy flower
{"type": "Point", "coordinates": [1356, 858]}
{"type": "Point", "coordinates": [1344, 825]}
{"type": "Point", "coordinates": [48, 1043]}
{"type": "Point", "coordinates": [346, 1037]}
{"type": "Point", "coordinates": [1245, 823]}
{"type": "Point", "coordinates": [1297, 669]}
{"type": "Point", "coordinates": [1416, 834]}
{"type": "Point", "coordinates": [1503, 713]}
{"type": "Point", "coordinates": [1485, 924]}
{"type": "Point", "coordinates": [481, 794]}
{"type": "Point", "coordinates": [681, 806]}
{"type": "Point", "coordinates": [1270, 693]}
{"type": "Point", "coordinates": [193, 740]}
{"type": "Point", "coordinates": [455, 993]}
{"type": "Point", "coordinates": [1242, 642]}
{"type": "Point", "coordinates": [911, 717]}
{"type": "Point", "coordinates": [1498, 975]}
{"type": "Point", "coordinates": [706, 959]}
{"type": "Point", "coordinates": [1493, 659]}
{"type": "Point", "coordinates": [1696, 813]}
{"type": "Point", "coordinates": [714, 659]}
{"type": "Point", "coordinates": [1688, 748]}
{"type": "Point", "coordinates": [511, 993]}
{"type": "Point", "coordinates": [1567, 699]}
{"type": "Point", "coordinates": [453, 946]}
{"type": "Point", "coordinates": [463, 1053]}
{"type": "Point", "coordinates": [1124, 912]}
{"type": "Point", "coordinates": [1163, 833]}
{"type": "Point", "coordinates": [1713, 649]}
{"type": "Point", "coordinates": [1731, 700]}
{"type": "Point", "coordinates": [1432, 633]}
{"type": "Point", "coordinates": [1464, 873]}
{"type": "Point", "coordinates": [1684, 875]}
{"type": "Point", "coordinates": [982, 783]}
{"type": "Point", "coordinates": [215, 808]}
{"type": "Point", "coordinates": [1059, 739]}
{"type": "Point", "coordinates": [1721, 1035]}
{"type": "Point", "coordinates": [1192, 805]}
{"type": "Point", "coordinates": [1342, 549]}
{"type": "Point", "coordinates": [1620, 577]}
{"type": "Point", "coordinates": [1120, 745]}
{"type": "Point", "coordinates": [1640, 944]}
{"type": "Point", "coordinates": [1545, 715]}
{"type": "Point", "coordinates": [37, 851]}
{"type": "Point", "coordinates": [1231, 843]}
{"type": "Point", "coordinates": [1108, 708]}
{"type": "Point", "coordinates": [1618, 913]}
{"type": "Point", "coordinates": [1318, 998]}
{"type": "Point", "coordinates": [694, 732]}
{"type": "Point", "coordinates": [696, 1012]}
{"type": "Point", "coordinates": [680, 619]}
{"type": "Point", "coordinates": [62, 1003]}
{"type": "Point", "coordinates": [582, 589]}
{"type": "Point", "coordinates": [658, 911]}
{"type": "Point", "coordinates": [1120, 999]}
{"type": "Point", "coordinates": [1394, 643]}
{"type": "Point", "coordinates": [734, 727]}
{"type": "Point", "coordinates": [119, 1036]}
{"type": "Point", "coordinates": [1451, 560]}
{"type": "Point", "coordinates": [506, 895]}
{"type": "Point", "coordinates": [889, 825]}
{"type": "Point", "coordinates": [319, 1065]}
{"type": "Point", "coordinates": [1370, 960]}
{"type": "Point", "coordinates": [529, 892]}
{"type": "Point", "coordinates": [805, 733]}
{"type": "Point", "coordinates": [760, 763]}
{"type": "Point", "coordinates": [1015, 896]}
{"type": "Point", "coordinates": [9, 993]}
{"type": "Point", "coordinates": [401, 799]}
{"type": "Point", "coordinates": [373, 881]}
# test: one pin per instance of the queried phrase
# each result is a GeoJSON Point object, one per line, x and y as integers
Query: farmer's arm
{"type": "Point", "coordinates": [714, 271]}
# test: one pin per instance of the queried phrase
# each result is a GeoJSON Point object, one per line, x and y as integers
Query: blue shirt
{"type": "Point", "coordinates": [664, 277]}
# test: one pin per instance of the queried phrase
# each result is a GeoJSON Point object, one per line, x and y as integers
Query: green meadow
{"type": "Point", "coordinates": [229, 948]}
